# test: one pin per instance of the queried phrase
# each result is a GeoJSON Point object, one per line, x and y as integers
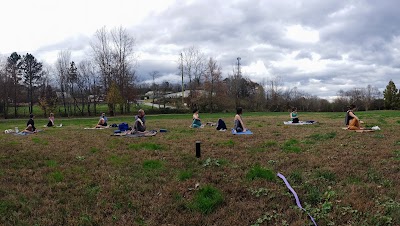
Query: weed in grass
{"type": "Point", "coordinates": [296, 176]}
{"type": "Point", "coordinates": [313, 194]}
{"type": "Point", "coordinates": [185, 175]}
{"type": "Point", "coordinates": [326, 174]}
{"type": "Point", "coordinates": [398, 121]}
{"type": "Point", "coordinates": [114, 143]}
{"type": "Point", "coordinates": [270, 143]}
{"type": "Point", "coordinates": [379, 136]}
{"type": "Point", "coordinates": [145, 146]}
{"type": "Point", "coordinates": [12, 143]}
{"type": "Point", "coordinates": [92, 190]}
{"type": "Point", "coordinates": [56, 176]}
{"type": "Point", "coordinates": [353, 179]}
{"type": "Point", "coordinates": [320, 137]}
{"type": "Point", "coordinates": [397, 142]}
{"type": "Point", "coordinates": [290, 146]}
{"type": "Point", "coordinates": [373, 175]}
{"type": "Point", "coordinates": [382, 121]}
{"type": "Point", "coordinates": [118, 160]}
{"type": "Point", "coordinates": [276, 133]}
{"type": "Point", "coordinates": [94, 150]}
{"type": "Point", "coordinates": [211, 162]}
{"type": "Point", "coordinates": [259, 172]}
{"type": "Point", "coordinates": [258, 192]}
{"type": "Point", "coordinates": [207, 199]}
{"type": "Point", "coordinates": [152, 165]}
{"type": "Point", "coordinates": [228, 143]}
{"type": "Point", "coordinates": [396, 155]}
{"type": "Point", "coordinates": [37, 140]}
{"type": "Point", "coordinates": [268, 217]}
{"type": "Point", "coordinates": [80, 158]}
{"type": "Point", "coordinates": [51, 163]}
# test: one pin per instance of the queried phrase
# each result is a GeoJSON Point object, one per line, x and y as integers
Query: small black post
{"type": "Point", "coordinates": [198, 154]}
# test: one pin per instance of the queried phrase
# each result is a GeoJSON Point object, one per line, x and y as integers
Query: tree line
{"type": "Point", "coordinates": [108, 74]}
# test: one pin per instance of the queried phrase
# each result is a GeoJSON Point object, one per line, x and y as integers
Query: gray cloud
{"type": "Point", "coordinates": [358, 40]}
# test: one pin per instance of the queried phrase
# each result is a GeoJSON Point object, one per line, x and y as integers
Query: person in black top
{"type": "Point", "coordinates": [352, 121]}
{"type": "Point", "coordinates": [140, 121]}
{"type": "Point", "coordinates": [31, 122]}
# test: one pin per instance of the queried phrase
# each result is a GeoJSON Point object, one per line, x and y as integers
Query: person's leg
{"type": "Point", "coordinates": [139, 127]}
{"type": "Point", "coordinates": [295, 120]}
{"type": "Point", "coordinates": [354, 124]}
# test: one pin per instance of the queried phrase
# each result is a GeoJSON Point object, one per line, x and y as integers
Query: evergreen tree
{"type": "Point", "coordinates": [391, 96]}
{"type": "Point", "coordinates": [32, 73]}
{"type": "Point", "coordinates": [13, 67]}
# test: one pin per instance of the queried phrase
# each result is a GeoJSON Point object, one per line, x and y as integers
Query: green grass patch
{"type": "Point", "coordinates": [145, 146]}
{"type": "Point", "coordinates": [326, 174]}
{"type": "Point", "coordinates": [185, 175]}
{"type": "Point", "coordinates": [228, 143]}
{"type": "Point", "coordinates": [56, 176]}
{"type": "Point", "coordinates": [207, 199]}
{"type": "Point", "coordinates": [94, 150]}
{"type": "Point", "coordinates": [296, 176]}
{"type": "Point", "coordinates": [258, 172]}
{"type": "Point", "coordinates": [291, 146]}
{"type": "Point", "coordinates": [397, 142]}
{"type": "Point", "coordinates": [51, 163]}
{"type": "Point", "coordinates": [118, 160]}
{"type": "Point", "coordinates": [354, 179]}
{"type": "Point", "coordinates": [37, 140]}
{"type": "Point", "coordinates": [320, 137]}
{"type": "Point", "coordinates": [270, 143]}
{"type": "Point", "coordinates": [396, 155]}
{"type": "Point", "coordinates": [152, 165]}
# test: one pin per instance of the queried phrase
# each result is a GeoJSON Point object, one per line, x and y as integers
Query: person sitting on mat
{"type": "Point", "coordinates": [31, 122]}
{"type": "Point", "coordinates": [196, 119]}
{"type": "Point", "coordinates": [352, 121]}
{"type": "Point", "coordinates": [29, 129]}
{"type": "Point", "coordinates": [293, 115]}
{"type": "Point", "coordinates": [102, 121]}
{"type": "Point", "coordinates": [239, 124]}
{"type": "Point", "coordinates": [140, 121]}
{"type": "Point", "coordinates": [51, 120]}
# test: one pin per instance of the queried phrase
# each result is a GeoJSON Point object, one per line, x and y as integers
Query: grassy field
{"type": "Point", "coordinates": [72, 176]}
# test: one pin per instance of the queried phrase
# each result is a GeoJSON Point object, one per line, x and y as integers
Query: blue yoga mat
{"type": "Point", "coordinates": [248, 132]}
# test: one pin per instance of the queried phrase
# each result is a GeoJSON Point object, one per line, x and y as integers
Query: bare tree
{"type": "Point", "coordinates": [113, 53]}
{"type": "Point", "coordinates": [212, 81]}
{"type": "Point", "coordinates": [369, 94]}
{"type": "Point", "coordinates": [274, 93]}
{"type": "Point", "coordinates": [61, 65]}
{"type": "Point", "coordinates": [194, 66]}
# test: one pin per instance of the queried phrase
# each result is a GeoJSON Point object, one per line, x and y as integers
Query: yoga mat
{"type": "Point", "coordinates": [299, 123]}
{"type": "Point", "coordinates": [295, 196]}
{"type": "Point", "coordinates": [248, 132]}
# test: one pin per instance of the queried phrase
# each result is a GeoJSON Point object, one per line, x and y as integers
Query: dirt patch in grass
{"type": "Point", "coordinates": [87, 177]}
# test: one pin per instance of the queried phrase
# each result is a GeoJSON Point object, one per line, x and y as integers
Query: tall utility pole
{"type": "Point", "coordinates": [238, 65]}
{"type": "Point", "coordinates": [183, 93]}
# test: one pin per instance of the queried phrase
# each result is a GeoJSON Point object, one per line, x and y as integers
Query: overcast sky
{"type": "Point", "coordinates": [318, 46]}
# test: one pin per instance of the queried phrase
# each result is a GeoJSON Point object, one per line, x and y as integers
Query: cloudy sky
{"type": "Point", "coordinates": [317, 46]}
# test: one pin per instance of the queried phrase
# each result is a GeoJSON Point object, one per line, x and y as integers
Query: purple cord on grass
{"type": "Point", "coordinates": [295, 196]}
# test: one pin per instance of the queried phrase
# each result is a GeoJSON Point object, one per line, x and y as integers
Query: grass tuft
{"type": "Point", "coordinates": [207, 199]}
{"type": "Point", "coordinates": [257, 172]}
{"type": "Point", "coordinates": [56, 176]}
{"type": "Point", "coordinates": [185, 175]}
{"type": "Point", "coordinates": [145, 146]}
{"type": "Point", "coordinates": [291, 146]}
{"type": "Point", "coordinates": [152, 165]}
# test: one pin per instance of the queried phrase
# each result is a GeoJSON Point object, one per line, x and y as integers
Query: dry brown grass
{"type": "Point", "coordinates": [87, 177]}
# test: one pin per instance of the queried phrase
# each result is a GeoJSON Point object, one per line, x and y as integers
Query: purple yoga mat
{"type": "Point", "coordinates": [295, 196]}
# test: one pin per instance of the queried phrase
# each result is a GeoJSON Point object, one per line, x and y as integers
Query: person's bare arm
{"type": "Point", "coordinates": [353, 115]}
